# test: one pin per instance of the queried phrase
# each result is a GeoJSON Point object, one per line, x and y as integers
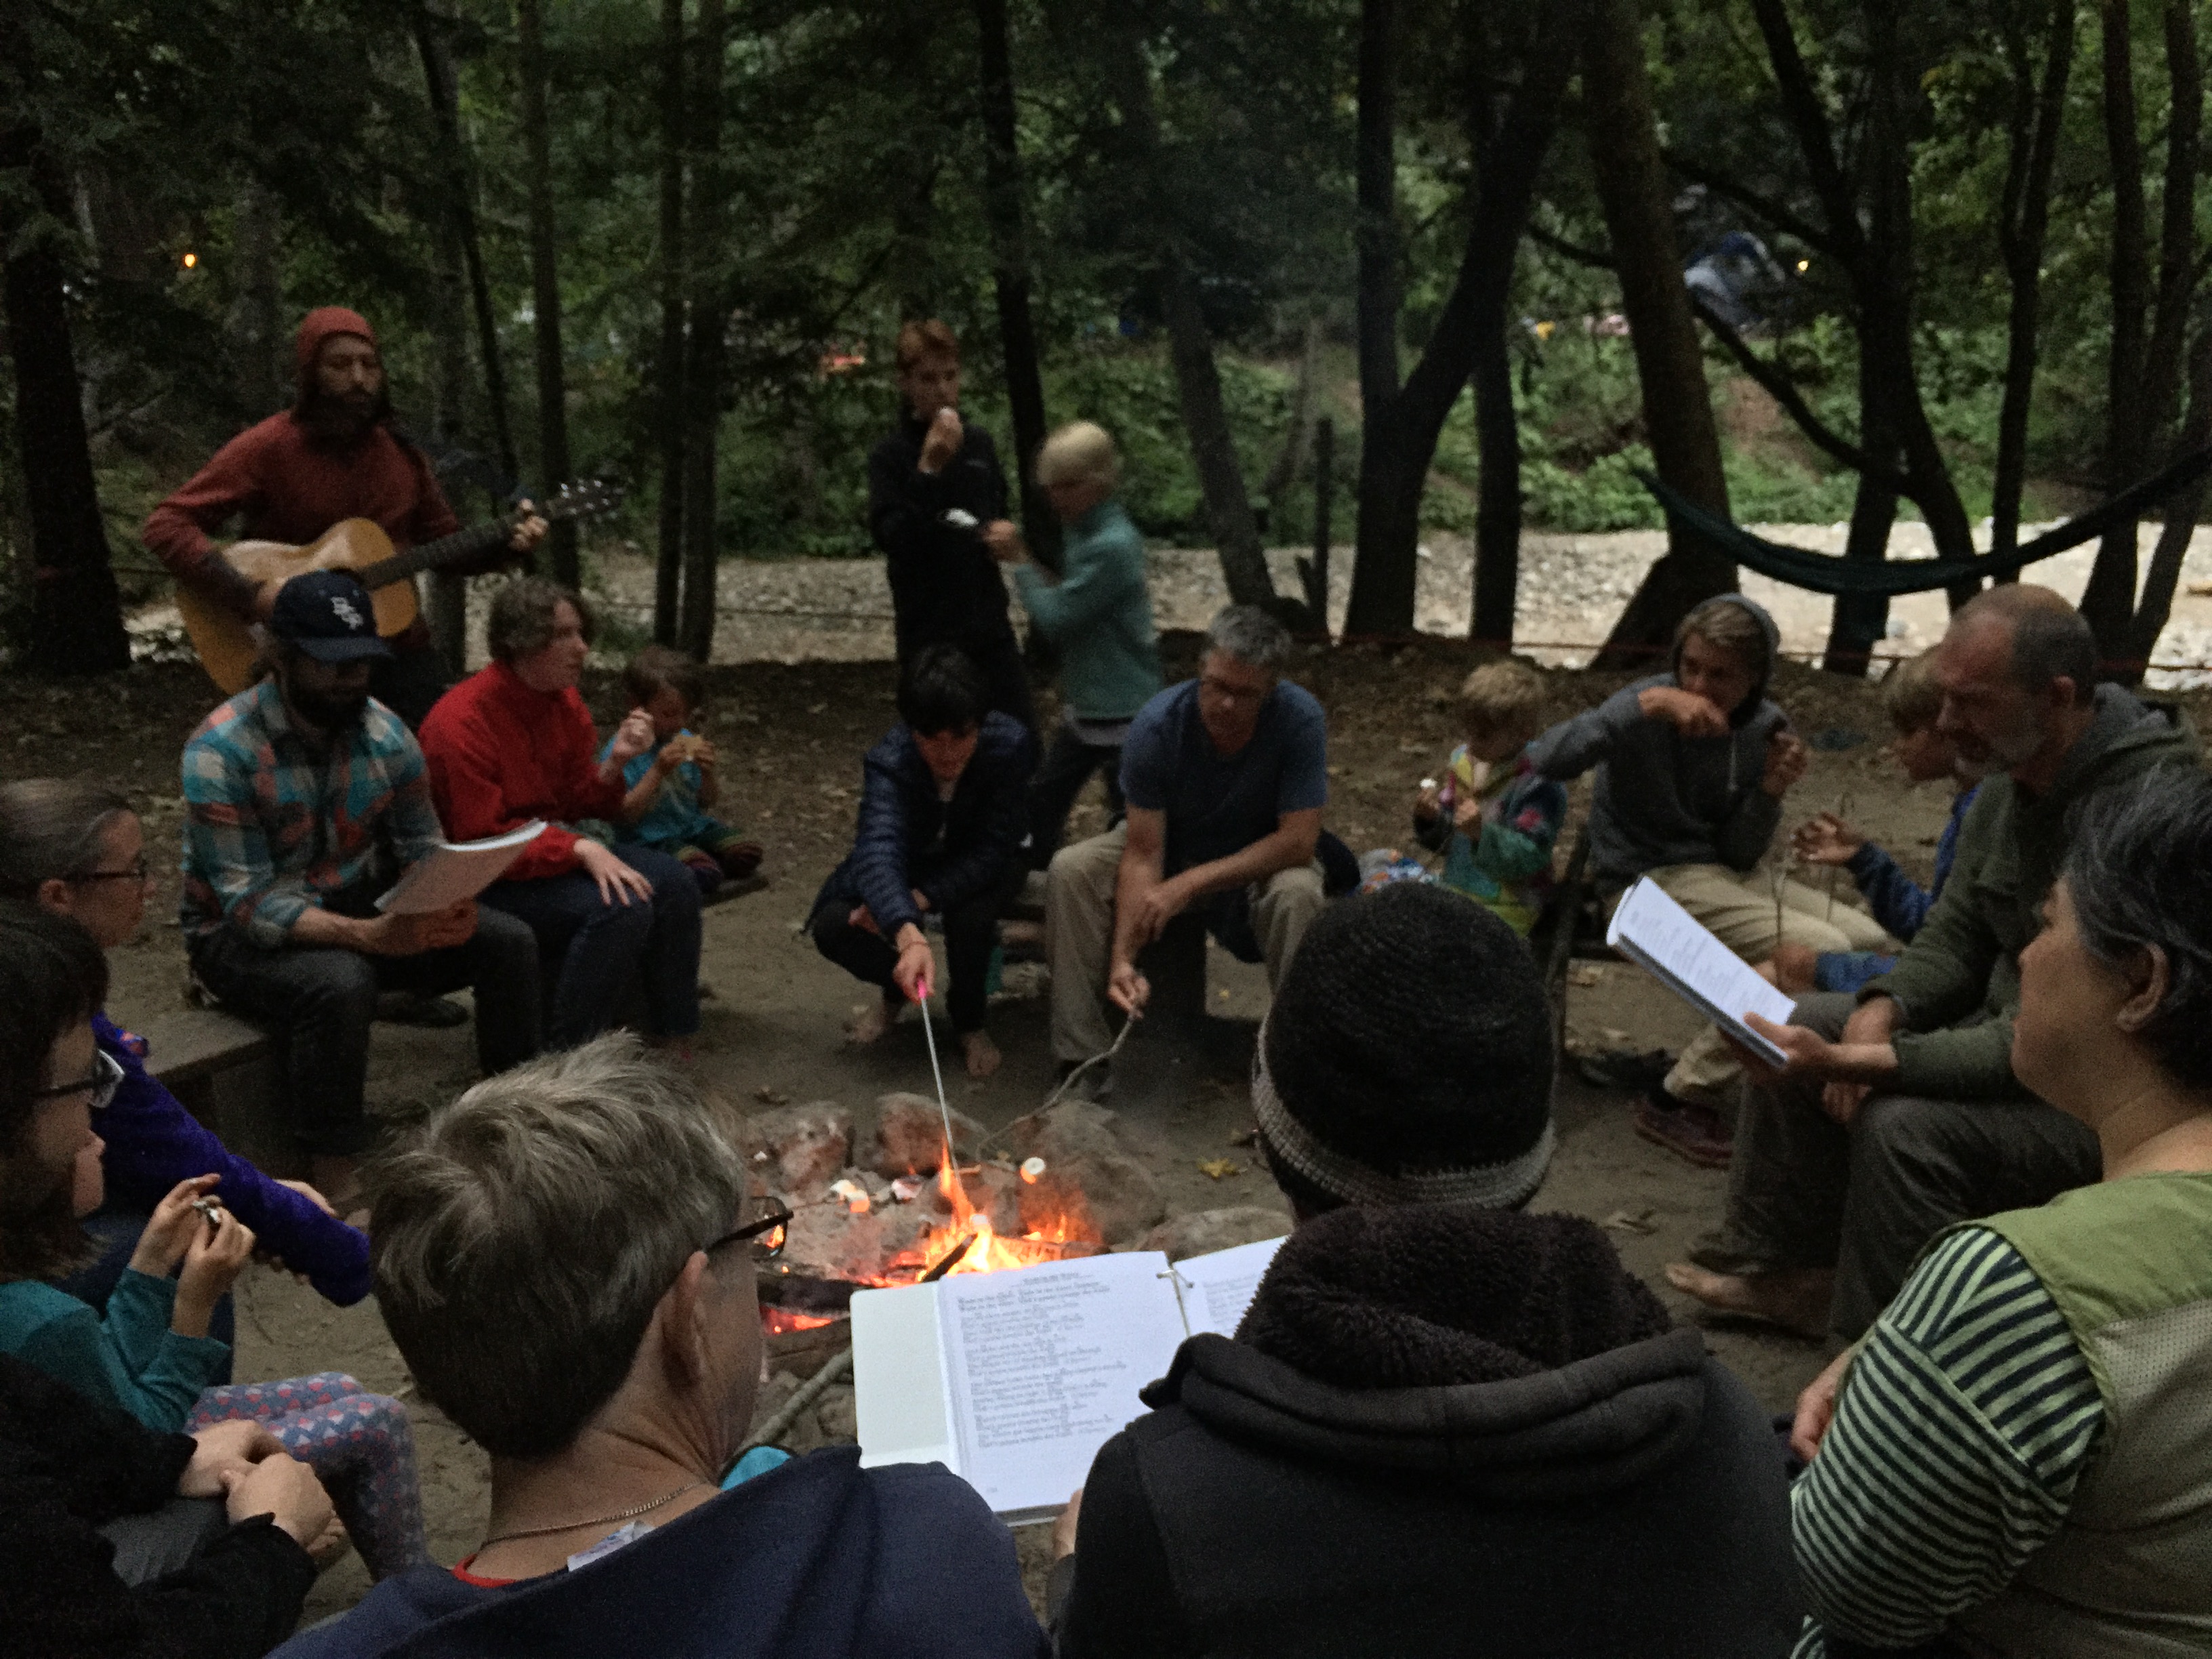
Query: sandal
{"type": "Point", "coordinates": [1694, 1133]}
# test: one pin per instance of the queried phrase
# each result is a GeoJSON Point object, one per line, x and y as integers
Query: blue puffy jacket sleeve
{"type": "Point", "coordinates": [153, 1143]}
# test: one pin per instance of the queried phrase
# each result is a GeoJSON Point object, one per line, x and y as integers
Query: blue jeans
{"type": "Point", "coordinates": [593, 950]}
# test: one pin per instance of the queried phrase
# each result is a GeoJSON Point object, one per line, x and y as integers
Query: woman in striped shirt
{"type": "Point", "coordinates": [2017, 1460]}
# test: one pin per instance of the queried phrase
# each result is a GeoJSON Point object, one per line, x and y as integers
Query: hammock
{"type": "Point", "coordinates": [1823, 572]}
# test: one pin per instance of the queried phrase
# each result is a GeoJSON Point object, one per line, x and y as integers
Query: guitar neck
{"type": "Point", "coordinates": [431, 555]}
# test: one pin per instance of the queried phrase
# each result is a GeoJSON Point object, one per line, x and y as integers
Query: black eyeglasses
{"type": "Point", "coordinates": [140, 872]}
{"type": "Point", "coordinates": [766, 1236]}
{"type": "Point", "coordinates": [106, 1078]}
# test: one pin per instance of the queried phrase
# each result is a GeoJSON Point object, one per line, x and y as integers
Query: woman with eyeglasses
{"type": "Point", "coordinates": [149, 1352]}
{"type": "Point", "coordinates": [73, 846]}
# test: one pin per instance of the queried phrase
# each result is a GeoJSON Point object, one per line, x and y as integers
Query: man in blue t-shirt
{"type": "Point", "coordinates": [1226, 777]}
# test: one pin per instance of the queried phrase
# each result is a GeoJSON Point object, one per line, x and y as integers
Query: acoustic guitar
{"type": "Point", "coordinates": [224, 639]}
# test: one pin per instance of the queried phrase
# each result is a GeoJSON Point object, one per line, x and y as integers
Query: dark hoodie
{"type": "Point", "coordinates": [1662, 798]}
{"type": "Point", "coordinates": [945, 586]}
{"type": "Point", "coordinates": [1958, 982]}
{"type": "Point", "coordinates": [1439, 1430]}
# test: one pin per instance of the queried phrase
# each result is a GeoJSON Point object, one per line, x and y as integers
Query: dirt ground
{"type": "Point", "coordinates": [793, 735]}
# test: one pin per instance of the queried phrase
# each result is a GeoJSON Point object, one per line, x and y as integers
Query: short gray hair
{"type": "Point", "coordinates": [1251, 635]}
{"type": "Point", "coordinates": [522, 612]}
{"type": "Point", "coordinates": [522, 1237]}
{"type": "Point", "coordinates": [50, 828]}
{"type": "Point", "coordinates": [2140, 874]}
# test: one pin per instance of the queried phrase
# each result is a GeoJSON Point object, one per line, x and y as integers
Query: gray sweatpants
{"type": "Point", "coordinates": [1805, 1191]}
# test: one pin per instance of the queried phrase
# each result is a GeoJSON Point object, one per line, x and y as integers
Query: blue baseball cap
{"type": "Point", "coordinates": [328, 615]}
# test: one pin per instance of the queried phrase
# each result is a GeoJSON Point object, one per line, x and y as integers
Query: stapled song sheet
{"type": "Point", "coordinates": [457, 870]}
{"type": "Point", "coordinates": [1014, 1380]}
{"type": "Point", "coordinates": [1660, 936]}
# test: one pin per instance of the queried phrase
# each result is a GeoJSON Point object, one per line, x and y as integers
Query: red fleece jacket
{"type": "Point", "coordinates": [501, 754]}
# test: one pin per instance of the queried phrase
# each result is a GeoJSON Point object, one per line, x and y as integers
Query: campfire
{"type": "Point", "coordinates": [890, 1207]}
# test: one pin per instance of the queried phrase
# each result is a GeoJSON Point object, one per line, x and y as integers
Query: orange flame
{"type": "Point", "coordinates": [993, 1249]}
{"type": "Point", "coordinates": [782, 1321]}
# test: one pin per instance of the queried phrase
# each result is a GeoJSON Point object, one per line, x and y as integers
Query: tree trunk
{"type": "Point", "coordinates": [1678, 412]}
{"type": "Point", "coordinates": [262, 380]}
{"type": "Point", "coordinates": [1190, 343]}
{"type": "Point", "coordinates": [1010, 273]}
{"type": "Point", "coordinates": [709, 309]}
{"type": "Point", "coordinates": [2164, 575]}
{"type": "Point", "coordinates": [545, 285]}
{"type": "Point", "coordinates": [1384, 569]}
{"type": "Point", "coordinates": [1399, 437]}
{"type": "Point", "coordinates": [2108, 601]}
{"type": "Point", "coordinates": [461, 194]}
{"type": "Point", "coordinates": [2023, 222]}
{"type": "Point", "coordinates": [1497, 508]}
{"type": "Point", "coordinates": [76, 615]}
{"type": "Point", "coordinates": [668, 403]}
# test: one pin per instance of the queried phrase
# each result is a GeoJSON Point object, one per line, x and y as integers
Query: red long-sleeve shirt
{"type": "Point", "coordinates": [284, 486]}
{"type": "Point", "coordinates": [501, 754]}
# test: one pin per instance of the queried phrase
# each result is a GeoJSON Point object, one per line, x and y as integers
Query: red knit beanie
{"type": "Point", "coordinates": [318, 324]}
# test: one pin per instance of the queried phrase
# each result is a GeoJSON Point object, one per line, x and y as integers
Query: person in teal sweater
{"type": "Point", "coordinates": [1098, 615]}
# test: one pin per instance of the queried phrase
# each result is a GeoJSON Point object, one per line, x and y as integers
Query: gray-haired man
{"type": "Point", "coordinates": [1226, 776]}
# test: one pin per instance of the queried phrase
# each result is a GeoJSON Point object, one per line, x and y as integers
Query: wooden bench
{"type": "Point", "coordinates": [226, 1072]}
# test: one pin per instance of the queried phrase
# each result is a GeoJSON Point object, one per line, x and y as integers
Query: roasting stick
{"type": "Point", "coordinates": [929, 1032]}
{"type": "Point", "coordinates": [1843, 815]}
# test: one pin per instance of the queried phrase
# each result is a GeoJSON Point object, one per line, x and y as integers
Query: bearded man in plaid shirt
{"type": "Point", "coordinates": [305, 801]}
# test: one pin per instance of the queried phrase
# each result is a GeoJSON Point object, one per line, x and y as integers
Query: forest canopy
{"type": "Point", "coordinates": [1810, 260]}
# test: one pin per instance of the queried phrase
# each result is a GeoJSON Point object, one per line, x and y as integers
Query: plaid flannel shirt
{"type": "Point", "coordinates": [271, 826]}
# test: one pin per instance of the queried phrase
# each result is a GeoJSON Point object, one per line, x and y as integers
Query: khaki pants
{"type": "Point", "coordinates": [1268, 918]}
{"type": "Point", "coordinates": [1738, 909]}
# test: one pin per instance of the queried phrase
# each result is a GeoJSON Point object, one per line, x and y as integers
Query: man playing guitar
{"type": "Point", "coordinates": [331, 456]}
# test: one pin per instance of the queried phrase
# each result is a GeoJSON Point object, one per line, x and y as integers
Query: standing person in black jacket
{"type": "Point", "coordinates": [68, 1468]}
{"type": "Point", "coordinates": [935, 492]}
{"type": "Point", "coordinates": [1444, 1427]}
{"type": "Point", "coordinates": [943, 814]}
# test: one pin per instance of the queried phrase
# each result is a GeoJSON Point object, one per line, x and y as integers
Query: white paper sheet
{"type": "Point", "coordinates": [457, 870]}
{"type": "Point", "coordinates": [1044, 1364]}
{"type": "Point", "coordinates": [898, 1379]}
{"type": "Point", "coordinates": [1218, 1288]}
{"type": "Point", "coordinates": [1659, 935]}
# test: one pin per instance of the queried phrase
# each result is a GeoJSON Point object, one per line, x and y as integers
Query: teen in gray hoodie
{"type": "Point", "coordinates": [1692, 767]}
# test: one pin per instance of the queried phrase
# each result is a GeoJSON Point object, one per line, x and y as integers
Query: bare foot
{"type": "Point", "coordinates": [1795, 1298]}
{"type": "Point", "coordinates": [870, 1023]}
{"type": "Point", "coordinates": [982, 1052]}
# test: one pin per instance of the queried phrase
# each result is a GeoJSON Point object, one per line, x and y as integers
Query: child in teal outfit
{"type": "Point", "coordinates": [1494, 816]}
{"type": "Point", "coordinates": [672, 785]}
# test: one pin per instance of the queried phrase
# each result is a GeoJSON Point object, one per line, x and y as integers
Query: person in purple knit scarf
{"type": "Point", "coordinates": [75, 847]}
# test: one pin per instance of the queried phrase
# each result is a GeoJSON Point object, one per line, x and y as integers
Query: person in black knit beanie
{"type": "Point", "coordinates": [1444, 1424]}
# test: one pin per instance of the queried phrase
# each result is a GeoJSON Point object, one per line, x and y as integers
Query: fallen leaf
{"type": "Point", "coordinates": [1246, 1137]}
{"type": "Point", "coordinates": [1584, 977]}
{"type": "Point", "coordinates": [1218, 1168]}
{"type": "Point", "coordinates": [769, 1096]}
{"type": "Point", "coordinates": [1631, 1221]}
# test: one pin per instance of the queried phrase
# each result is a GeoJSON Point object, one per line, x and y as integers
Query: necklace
{"type": "Point", "coordinates": [597, 1521]}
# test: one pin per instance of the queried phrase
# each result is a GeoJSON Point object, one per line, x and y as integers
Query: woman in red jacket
{"type": "Point", "coordinates": [514, 742]}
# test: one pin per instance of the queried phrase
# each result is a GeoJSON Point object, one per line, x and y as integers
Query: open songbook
{"type": "Point", "coordinates": [1665, 940]}
{"type": "Point", "coordinates": [457, 870]}
{"type": "Point", "coordinates": [1014, 1380]}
